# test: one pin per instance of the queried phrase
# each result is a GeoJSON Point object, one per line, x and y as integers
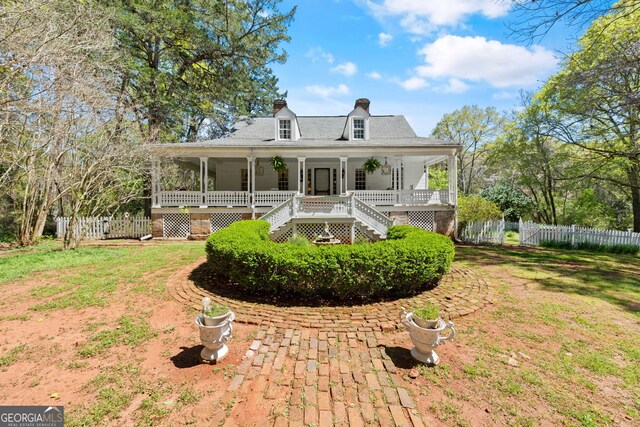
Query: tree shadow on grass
{"type": "Point", "coordinates": [188, 357]}
{"type": "Point", "coordinates": [205, 279]}
{"type": "Point", "coordinates": [609, 277]}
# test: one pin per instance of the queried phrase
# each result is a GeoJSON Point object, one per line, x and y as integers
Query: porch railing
{"type": "Point", "coordinates": [180, 198]}
{"type": "Point", "coordinates": [271, 198]}
{"type": "Point", "coordinates": [274, 198]}
{"type": "Point", "coordinates": [227, 198]}
{"type": "Point", "coordinates": [402, 197]}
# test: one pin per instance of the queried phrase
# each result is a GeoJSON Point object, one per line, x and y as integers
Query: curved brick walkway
{"type": "Point", "coordinates": [459, 293]}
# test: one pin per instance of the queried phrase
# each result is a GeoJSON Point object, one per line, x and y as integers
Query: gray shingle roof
{"type": "Point", "coordinates": [323, 127]}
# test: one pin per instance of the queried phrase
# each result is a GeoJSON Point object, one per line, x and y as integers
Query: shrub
{"type": "Point", "coordinates": [475, 208]}
{"type": "Point", "coordinates": [408, 261]}
{"type": "Point", "coordinates": [513, 203]}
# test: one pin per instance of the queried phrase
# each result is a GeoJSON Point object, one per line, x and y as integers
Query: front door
{"type": "Point", "coordinates": [322, 181]}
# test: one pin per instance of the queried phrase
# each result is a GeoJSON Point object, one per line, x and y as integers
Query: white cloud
{"type": "Point", "coordinates": [374, 75]}
{"type": "Point", "coordinates": [505, 95]}
{"type": "Point", "coordinates": [414, 83]}
{"type": "Point", "coordinates": [455, 86]}
{"type": "Point", "coordinates": [384, 39]}
{"type": "Point", "coordinates": [346, 68]}
{"type": "Point", "coordinates": [478, 59]}
{"type": "Point", "coordinates": [422, 16]}
{"type": "Point", "coordinates": [328, 91]}
{"type": "Point", "coordinates": [317, 53]}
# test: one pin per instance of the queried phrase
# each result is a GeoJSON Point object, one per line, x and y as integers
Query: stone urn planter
{"type": "Point", "coordinates": [426, 340]}
{"type": "Point", "coordinates": [215, 331]}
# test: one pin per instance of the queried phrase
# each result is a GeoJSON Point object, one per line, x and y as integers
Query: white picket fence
{"type": "Point", "coordinates": [105, 227]}
{"type": "Point", "coordinates": [534, 234]}
{"type": "Point", "coordinates": [484, 232]}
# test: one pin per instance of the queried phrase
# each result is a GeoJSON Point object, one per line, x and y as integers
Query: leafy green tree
{"type": "Point", "coordinates": [513, 203]}
{"type": "Point", "coordinates": [473, 128]}
{"type": "Point", "coordinates": [595, 100]}
{"type": "Point", "coordinates": [475, 208]}
{"type": "Point", "coordinates": [192, 64]}
{"type": "Point", "coordinates": [534, 162]}
{"type": "Point", "coordinates": [438, 177]}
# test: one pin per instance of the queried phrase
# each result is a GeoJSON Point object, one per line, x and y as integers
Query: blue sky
{"type": "Point", "coordinates": [419, 58]}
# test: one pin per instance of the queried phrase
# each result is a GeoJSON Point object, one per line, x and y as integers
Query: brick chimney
{"type": "Point", "coordinates": [278, 105]}
{"type": "Point", "coordinates": [363, 103]}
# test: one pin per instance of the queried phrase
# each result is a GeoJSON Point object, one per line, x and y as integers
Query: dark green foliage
{"type": "Point", "coordinates": [596, 247]}
{"type": "Point", "coordinates": [408, 261]}
{"type": "Point", "coordinates": [513, 203]}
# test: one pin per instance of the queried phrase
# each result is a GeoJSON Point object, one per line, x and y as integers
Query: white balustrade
{"type": "Point", "coordinates": [371, 216]}
{"type": "Point", "coordinates": [281, 214]}
{"type": "Point", "coordinates": [180, 198]}
{"type": "Point", "coordinates": [322, 206]}
{"type": "Point", "coordinates": [271, 198]}
{"type": "Point", "coordinates": [377, 197]}
{"type": "Point", "coordinates": [404, 197]}
{"type": "Point", "coordinates": [227, 198]}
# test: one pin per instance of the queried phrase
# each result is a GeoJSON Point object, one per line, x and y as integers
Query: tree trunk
{"type": "Point", "coordinates": [634, 179]}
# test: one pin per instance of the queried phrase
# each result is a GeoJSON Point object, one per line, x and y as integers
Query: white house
{"type": "Point", "coordinates": [225, 180]}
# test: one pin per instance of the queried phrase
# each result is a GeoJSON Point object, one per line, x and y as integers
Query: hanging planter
{"type": "Point", "coordinates": [371, 165]}
{"type": "Point", "coordinates": [278, 164]}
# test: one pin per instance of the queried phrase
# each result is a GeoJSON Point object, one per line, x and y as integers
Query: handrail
{"type": "Point", "coordinates": [371, 216]}
{"type": "Point", "coordinates": [281, 214]}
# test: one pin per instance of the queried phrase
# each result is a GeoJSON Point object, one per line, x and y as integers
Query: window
{"type": "Point", "coordinates": [244, 180]}
{"type": "Point", "coordinates": [358, 128]}
{"type": "Point", "coordinates": [284, 127]}
{"type": "Point", "coordinates": [361, 179]}
{"type": "Point", "coordinates": [283, 180]}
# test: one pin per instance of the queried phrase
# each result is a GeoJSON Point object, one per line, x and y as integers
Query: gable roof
{"type": "Point", "coordinates": [322, 128]}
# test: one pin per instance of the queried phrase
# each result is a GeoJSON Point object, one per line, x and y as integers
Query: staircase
{"type": "Point", "coordinates": [319, 209]}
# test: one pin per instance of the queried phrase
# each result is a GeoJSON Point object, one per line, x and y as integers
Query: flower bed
{"type": "Point", "coordinates": [409, 261]}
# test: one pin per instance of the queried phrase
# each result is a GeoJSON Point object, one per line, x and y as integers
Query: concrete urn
{"type": "Point", "coordinates": [426, 340]}
{"type": "Point", "coordinates": [214, 337]}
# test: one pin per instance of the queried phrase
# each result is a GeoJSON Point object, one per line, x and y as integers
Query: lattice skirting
{"type": "Point", "coordinates": [339, 231]}
{"type": "Point", "coordinates": [423, 219]}
{"type": "Point", "coordinates": [220, 220]}
{"type": "Point", "coordinates": [285, 235]}
{"type": "Point", "coordinates": [175, 225]}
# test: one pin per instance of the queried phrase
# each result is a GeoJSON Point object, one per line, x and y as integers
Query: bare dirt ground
{"type": "Point", "coordinates": [537, 356]}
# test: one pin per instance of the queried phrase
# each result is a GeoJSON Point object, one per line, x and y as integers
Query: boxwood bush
{"type": "Point", "coordinates": [409, 260]}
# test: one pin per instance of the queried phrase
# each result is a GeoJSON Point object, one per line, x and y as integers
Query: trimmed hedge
{"type": "Point", "coordinates": [409, 260]}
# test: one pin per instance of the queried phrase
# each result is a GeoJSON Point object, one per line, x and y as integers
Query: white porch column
{"type": "Point", "coordinates": [249, 181]}
{"type": "Point", "coordinates": [204, 180]}
{"type": "Point", "coordinates": [426, 176]}
{"type": "Point", "coordinates": [343, 175]}
{"type": "Point", "coordinates": [302, 170]}
{"type": "Point", "coordinates": [452, 169]}
{"type": "Point", "coordinates": [397, 173]}
{"type": "Point", "coordinates": [155, 183]}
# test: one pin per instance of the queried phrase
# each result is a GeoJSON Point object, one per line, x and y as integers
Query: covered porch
{"type": "Point", "coordinates": [225, 181]}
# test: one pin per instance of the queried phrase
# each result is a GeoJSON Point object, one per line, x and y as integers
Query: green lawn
{"type": "Point", "coordinates": [575, 316]}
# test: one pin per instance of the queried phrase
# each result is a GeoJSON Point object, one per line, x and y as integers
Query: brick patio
{"type": "Point", "coordinates": [327, 366]}
{"type": "Point", "coordinates": [459, 293]}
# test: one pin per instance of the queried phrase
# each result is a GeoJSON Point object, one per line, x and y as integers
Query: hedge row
{"type": "Point", "coordinates": [408, 261]}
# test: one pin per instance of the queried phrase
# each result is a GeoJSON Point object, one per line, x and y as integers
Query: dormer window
{"type": "Point", "coordinates": [358, 128]}
{"type": "Point", "coordinates": [284, 129]}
